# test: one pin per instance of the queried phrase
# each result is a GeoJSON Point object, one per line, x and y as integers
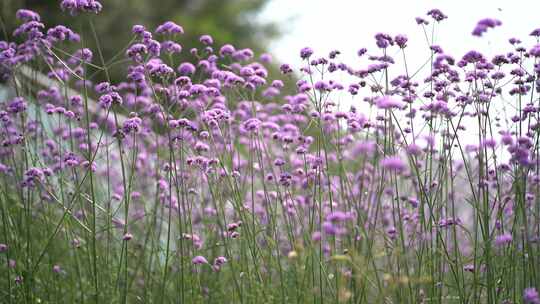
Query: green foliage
{"type": "Point", "coordinates": [232, 21]}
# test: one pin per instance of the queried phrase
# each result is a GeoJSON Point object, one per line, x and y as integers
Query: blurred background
{"type": "Point", "coordinates": [348, 25]}
{"type": "Point", "coordinates": [233, 21]}
{"type": "Point", "coordinates": [283, 27]}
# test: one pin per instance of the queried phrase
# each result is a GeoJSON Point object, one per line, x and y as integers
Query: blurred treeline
{"type": "Point", "coordinates": [228, 21]}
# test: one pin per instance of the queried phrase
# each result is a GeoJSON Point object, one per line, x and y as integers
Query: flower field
{"type": "Point", "coordinates": [210, 181]}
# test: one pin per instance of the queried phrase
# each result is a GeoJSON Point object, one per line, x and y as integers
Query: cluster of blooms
{"type": "Point", "coordinates": [230, 160]}
{"type": "Point", "coordinates": [484, 24]}
{"type": "Point", "coordinates": [75, 7]}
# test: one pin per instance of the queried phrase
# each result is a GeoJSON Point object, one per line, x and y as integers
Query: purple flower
{"type": "Point", "coordinates": [535, 51]}
{"type": "Point", "coordinates": [483, 25]}
{"type": "Point", "coordinates": [186, 68]}
{"type": "Point", "coordinates": [105, 101]}
{"type": "Point", "coordinates": [171, 47]}
{"type": "Point", "coordinates": [306, 52]}
{"type": "Point", "coordinates": [79, 6]}
{"type": "Point", "coordinates": [421, 21]}
{"type": "Point", "coordinates": [154, 47]}
{"type": "Point", "coordinates": [57, 269]}
{"type": "Point", "coordinates": [17, 105]}
{"type": "Point", "coordinates": [243, 55]}
{"type": "Point", "coordinates": [226, 50]}
{"type": "Point", "coordinates": [333, 54]}
{"type": "Point", "coordinates": [169, 27]}
{"type": "Point", "coordinates": [252, 124]}
{"type": "Point", "coordinates": [69, 5]}
{"type": "Point", "coordinates": [256, 81]}
{"type": "Point", "coordinates": [218, 262]}
{"type": "Point", "coordinates": [270, 92]}
{"type": "Point", "coordinates": [138, 29]}
{"type": "Point", "coordinates": [535, 33]}
{"type": "Point", "coordinates": [61, 33]}
{"type": "Point", "coordinates": [206, 39]}
{"type": "Point", "coordinates": [437, 15]}
{"type": "Point", "coordinates": [27, 15]}
{"type": "Point", "coordinates": [197, 89]}
{"type": "Point", "coordinates": [199, 260]}
{"type": "Point", "coordinates": [321, 85]}
{"type": "Point", "coordinates": [339, 216]}
{"type": "Point", "coordinates": [436, 49]}
{"type": "Point", "coordinates": [136, 51]}
{"type": "Point", "coordinates": [3, 247]}
{"type": "Point", "coordinates": [473, 57]}
{"type": "Point", "coordinates": [266, 58]}
{"type": "Point", "coordinates": [132, 124]}
{"type": "Point", "coordinates": [30, 29]}
{"type": "Point", "coordinates": [330, 228]}
{"type": "Point", "coordinates": [361, 52]}
{"type": "Point", "coordinates": [285, 68]}
{"type": "Point", "coordinates": [503, 239]}
{"type": "Point", "coordinates": [102, 87]}
{"type": "Point", "coordinates": [383, 40]}
{"type": "Point", "coordinates": [393, 163]}
{"type": "Point", "coordinates": [84, 55]}
{"type": "Point", "coordinates": [33, 176]}
{"type": "Point", "coordinates": [389, 102]}
{"type": "Point", "coordinates": [401, 41]}
{"type": "Point", "coordinates": [530, 296]}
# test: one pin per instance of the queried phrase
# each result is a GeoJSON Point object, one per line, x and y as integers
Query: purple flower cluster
{"type": "Point", "coordinates": [75, 7]}
{"type": "Point", "coordinates": [483, 25]}
{"type": "Point", "coordinates": [530, 296]}
{"type": "Point", "coordinates": [210, 170]}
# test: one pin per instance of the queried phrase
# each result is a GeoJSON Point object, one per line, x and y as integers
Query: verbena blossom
{"type": "Point", "coordinates": [389, 102]}
{"type": "Point", "coordinates": [306, 52]}
{"type": "Point", "coordinates": [79, 6]}
{"type": "Point", "coordinates": [530, 296]}
{"type": "Point", "coordinates": [503, 239]}
{"type": "Point", "coordinates": [483, 25]}
{"type": "Point", "coordinates": [169, 27]}
{"type": "Point", "coordinates": [437, 15]}
{"type": "Point", "coordinates": [199, 260]}
{"type": "Point", "coordinates": [393, 163]}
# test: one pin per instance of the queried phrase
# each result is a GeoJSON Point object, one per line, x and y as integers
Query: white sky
{"type": "Point", "coordinates": [348, 25]}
